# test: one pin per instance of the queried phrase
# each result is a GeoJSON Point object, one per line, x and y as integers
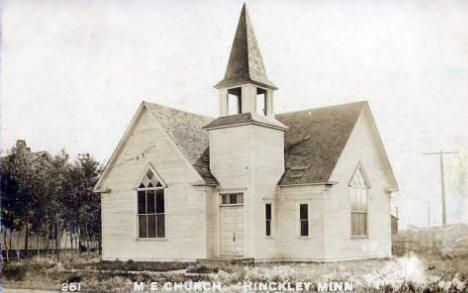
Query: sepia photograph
{"type": "Point", "coordinates": [233, 146]}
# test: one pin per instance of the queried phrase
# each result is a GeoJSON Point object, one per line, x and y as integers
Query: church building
{"type": "Point", "coordinates": [311, 185]}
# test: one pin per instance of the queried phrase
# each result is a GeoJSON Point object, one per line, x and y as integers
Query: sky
{"type": "Point", "coordinates": [74, 72]}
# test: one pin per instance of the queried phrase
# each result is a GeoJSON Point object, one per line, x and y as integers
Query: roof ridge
{"type": "Point", "coordinates": [177, 110]}
{"type": "Point", "coordinates": [247, 22]}
{"type": "Point", "coordinates": [324, 107]}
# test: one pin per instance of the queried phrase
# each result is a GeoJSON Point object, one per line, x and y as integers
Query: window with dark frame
{"type": "Point", "coordinates": [151, 210]}
{"type": "Point", "coordinates": [232, 198]}
{"type": "Point", "coordinates": [268, 219]}
{"type": "Point", "coordinates": [304, 219]}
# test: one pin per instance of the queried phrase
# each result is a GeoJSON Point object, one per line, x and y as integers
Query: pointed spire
{"type": "Point", "coordinates": [245, 62]}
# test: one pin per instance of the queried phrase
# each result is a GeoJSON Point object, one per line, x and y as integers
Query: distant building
{"type": "Point", "coordinates": [43, 156]}
{"type": "Point", "coordinates": [312, 185]}
{"type": "Point", "coordinates": [15, 240]}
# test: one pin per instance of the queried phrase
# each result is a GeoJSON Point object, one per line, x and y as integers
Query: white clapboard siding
{"type": "Point", "coordinates": [363, 146]}
{"type": "Point", "coordinates": [212, 214]}
{"type": "Point", "coordinates": [247, 159]}
{"type": "Point", "coordinates": [268, 167]}
{"type": "Point", "coordinates": [184, 204]}
{"type": "Point", "coordinates": [250, 159]}
{"type": "Point", "coordinates": [293, 246]}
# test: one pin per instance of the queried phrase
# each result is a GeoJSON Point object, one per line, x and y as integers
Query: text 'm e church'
{"type": "Point", "coordinates": [311, 185]}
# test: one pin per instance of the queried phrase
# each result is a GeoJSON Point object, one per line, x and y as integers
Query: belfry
{"type": "Point", "coordinates": [245, 86]}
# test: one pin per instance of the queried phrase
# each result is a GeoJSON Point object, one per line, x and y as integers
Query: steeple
{"type": "Point", "coordinates": [246, 141]}
{"type": "Point", "coordinates": [245, 86]}
{"type": "Point", "coordinates": [245, 62]}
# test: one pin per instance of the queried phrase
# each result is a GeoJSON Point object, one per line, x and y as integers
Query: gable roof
{"type": "Point", "coordinates": [245, 62]}
{"type": "Point", "coordinates": [184, 129]}
{"type": "Point", "coordinates": [315, 141]}
{"type": "Point", "coordinates": [187, 133]}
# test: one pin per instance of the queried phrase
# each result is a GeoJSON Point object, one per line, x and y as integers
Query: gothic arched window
{"type": "Point", "coordinates": [358, 190]}
{"type": "Point", "coordinates": [151, 207]}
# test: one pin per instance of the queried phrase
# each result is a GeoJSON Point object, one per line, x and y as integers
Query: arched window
{"type": "Point", "coordinates": [358, 190]}
{"type": "Point", "coordinates": [151, 207]}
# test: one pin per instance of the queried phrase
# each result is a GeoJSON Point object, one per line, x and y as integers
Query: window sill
{"type": "Point", "coordinates": [303, 237]}
{"type": "Point", "coordinates": [360, 237]}
{"type": "Point", "coordinates": [269, 237]}
{"type": "Point", "coordinates": [151, 239]}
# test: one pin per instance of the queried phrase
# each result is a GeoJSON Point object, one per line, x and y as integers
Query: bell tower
{"type": "Point", "coordinates": [246, 149]}
{"type": "Point", "coordinates": [245, 86]}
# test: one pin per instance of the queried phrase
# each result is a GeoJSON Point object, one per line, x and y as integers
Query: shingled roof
{"type": "Point", "coordinates": [245, 118]}
{"type": "Point", "coordinates": [186, 131]}
{"type": "Point", "coordinates": [313, 143]}
{"type": "Point", "coordinates": [245, 62]}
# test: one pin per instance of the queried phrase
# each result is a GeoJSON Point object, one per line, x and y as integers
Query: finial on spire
{"type": "Point", "coordinates": [245, 62]}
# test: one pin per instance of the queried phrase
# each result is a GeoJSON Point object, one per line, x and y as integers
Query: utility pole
{"type": "Point", "coordinates": [442, 181]}
{"type": "Point", "coordinates": [4, 239]}
{"type": "Point", "coordinates": [429, 214]}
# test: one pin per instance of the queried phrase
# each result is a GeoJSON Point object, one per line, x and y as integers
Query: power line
{"type": "Point", "coordinates": [136, 157]}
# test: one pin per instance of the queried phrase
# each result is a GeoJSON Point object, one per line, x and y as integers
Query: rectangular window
{"type": "Point", "coordinates": [142, 226]}
{"type": "Point", "coordinates": [268, 219]}
{"type": "Point", "coordinates": [232, 198]}
{"type": "Point", "coordinates": [151, 213]}
{"type": "Point", "coordinates": [150, 205]}
{"type": "Point", "coordinates": [304, 219]}
{"type": "Point", "coordinates": [358, 211]}
{"type": "Point", "coordinates": [151, 222]}
{"type": "Point", "coordinates": [141, 202]}
{"type": "Point", "coordinates": [358, 224]}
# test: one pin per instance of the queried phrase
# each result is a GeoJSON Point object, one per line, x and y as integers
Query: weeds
{"type": "Point", "coordinates": [15, 272]}
{"type": "Point", "coordinates": [404, 274]}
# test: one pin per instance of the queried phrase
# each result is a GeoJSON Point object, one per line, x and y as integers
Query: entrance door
{"type": "Point", "coordinates": [232, 230]}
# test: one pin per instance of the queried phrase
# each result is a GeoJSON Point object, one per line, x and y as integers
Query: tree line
{"type": "Point", "coordinates": [50, 197]}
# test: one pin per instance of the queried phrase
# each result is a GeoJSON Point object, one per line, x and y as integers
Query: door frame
{"type": "Point", "coordinates": [221, 206]}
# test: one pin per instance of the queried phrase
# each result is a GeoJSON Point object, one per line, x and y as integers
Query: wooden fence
{"type": "Point", "coordinates": [447, 240]}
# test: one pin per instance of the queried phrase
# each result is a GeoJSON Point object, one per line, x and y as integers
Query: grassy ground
{"type": "Point", "coordinates": [410, 273]}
